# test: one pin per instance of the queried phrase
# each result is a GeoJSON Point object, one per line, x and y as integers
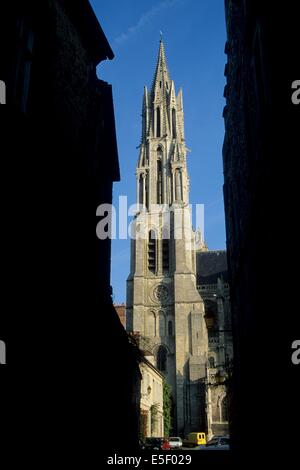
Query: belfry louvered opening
{"type": "Point", "coordinates": [152, 251]}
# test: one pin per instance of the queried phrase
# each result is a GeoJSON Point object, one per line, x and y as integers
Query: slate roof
{"type": "Point", "coordinates": [210, 266]}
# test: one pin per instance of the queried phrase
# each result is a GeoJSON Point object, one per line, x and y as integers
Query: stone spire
{"type": "Point", "coordinates": [161, 78]}
{"type": "Point", "coordinates": [162, 176]}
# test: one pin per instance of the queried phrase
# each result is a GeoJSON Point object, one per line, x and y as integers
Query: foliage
{"type": "Point", "coordinates": [167, 403]}
{"type": "Point", "coordinates": [154, 412]}
{"type": "Point", "coordinates": [143, 425]}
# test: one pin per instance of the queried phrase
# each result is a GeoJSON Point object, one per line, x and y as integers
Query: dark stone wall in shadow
{"type": "Point", "coordinates": [74, 368]}
{"type": "Point", "coordinates": [260, 178]}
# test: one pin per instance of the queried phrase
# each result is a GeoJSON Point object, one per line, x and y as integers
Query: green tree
{"type": "Point", "coordinates": [143, 424]}
{"type": "Point", "coordinates": [154, 417]}
{"type": "Point", "coordinates": [167, 403]}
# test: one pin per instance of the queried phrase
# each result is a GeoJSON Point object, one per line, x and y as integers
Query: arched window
{"type": "Point", "coordinates": [162, 359]}
{"type": "Point", "coordinates": [224, 410]}
{"type": "Point", "coordinates": [170, 328]}
{"type": "Point", "coordinates": [152, 251]}
{"type": "Point", "coordinates": [150, 327]}
{"type": "Point", "coordinates": [157, 122]}
{"type": "Point", "coordinates": [174, 123]}
{"type": "Point", "coordinates": [211, 361]}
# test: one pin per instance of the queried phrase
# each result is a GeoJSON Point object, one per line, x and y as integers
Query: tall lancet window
{"type": "Point", "coordinates": [170, 328]}
{"type": "Point", "coordinates": [161, 359]}
{"type": "Point", "coordinates": [152, 251]}
{"type": "Point", "coordinates": [174, 123]}
{"type": "Point", "coordinates": [147, 190]}
{"type": "Point", "coordinates": [159, 176]}
{"type": "Point", "coordinates": [178, 185]}
{"type": "Point", "coordinates": [157, 122]}
{"type": "Point", "coordinates": [141, 190]}
{"type": "Point", "coordinates": [165, 248]}
{"type": "Point", "coordinates": [224, 410]}
{"type": "Point", "coordinates": [165, 258]}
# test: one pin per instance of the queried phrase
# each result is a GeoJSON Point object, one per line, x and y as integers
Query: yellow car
{"type": "Point", "coordinates": [197, 438]}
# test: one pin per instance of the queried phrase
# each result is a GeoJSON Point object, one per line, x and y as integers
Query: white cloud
{"type": "Point", "coordinates": [145, 18]}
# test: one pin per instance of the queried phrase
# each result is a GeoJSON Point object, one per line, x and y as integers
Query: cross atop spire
{"type": "Point", "coordinates": [161, 76]}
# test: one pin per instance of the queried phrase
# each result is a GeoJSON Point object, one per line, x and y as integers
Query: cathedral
{"type": "Point", "coordinates": [177, 291]}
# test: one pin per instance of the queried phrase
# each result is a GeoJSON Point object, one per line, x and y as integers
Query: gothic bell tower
{"type": "Point", "coordinates": [163, 304]}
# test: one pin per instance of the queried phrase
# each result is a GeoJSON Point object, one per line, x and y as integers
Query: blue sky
{"type": "Point", "coordinates": [194, 38]}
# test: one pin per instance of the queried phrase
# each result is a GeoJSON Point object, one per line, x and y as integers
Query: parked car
{"type": "Point", "coordinates": [216, 443]}
{"type": "Point", "coordinates": [196, 439]}
{"type": "Point", "coordinates": [175, 442]}
{"type": "Point", "coordinates": [156, 443]}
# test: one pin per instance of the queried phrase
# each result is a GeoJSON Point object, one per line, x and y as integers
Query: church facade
{"type": "Point", "coordinates": [164, 302]}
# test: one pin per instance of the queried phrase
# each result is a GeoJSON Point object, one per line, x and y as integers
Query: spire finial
{"type": "Point", "coordinates": [161, 35]}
